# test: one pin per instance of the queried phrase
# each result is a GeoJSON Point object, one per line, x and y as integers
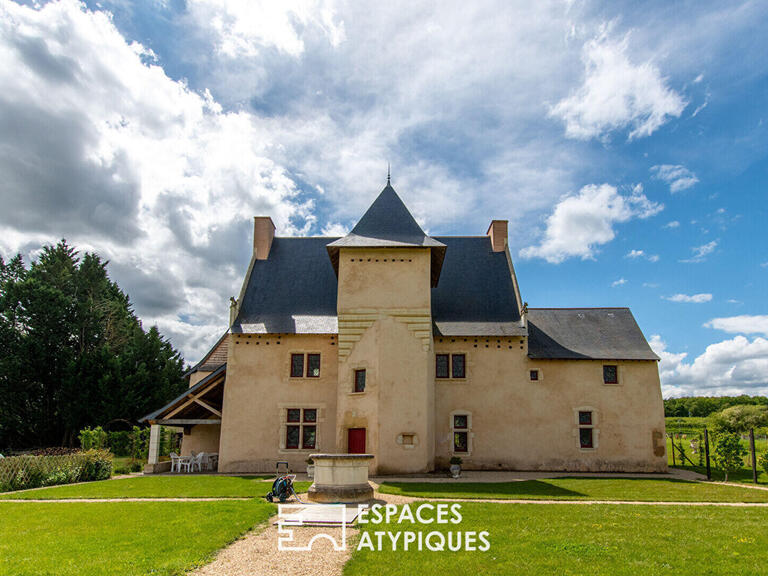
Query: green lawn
{"type": "Point", "coordinates": [160, 487]}
{"type": "Point", "coordinates": [641, 489]}
{"type": "Point", "coordinates": [119, 538]}
{"type": "Point", "coordinates": [577, 539]}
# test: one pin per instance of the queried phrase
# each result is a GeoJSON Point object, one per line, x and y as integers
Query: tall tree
{"type": "Point", "coordinates": [72, 352]}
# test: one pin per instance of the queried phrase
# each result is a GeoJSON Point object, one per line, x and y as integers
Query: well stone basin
{"type": "Point", "coordinates": [341, 478]}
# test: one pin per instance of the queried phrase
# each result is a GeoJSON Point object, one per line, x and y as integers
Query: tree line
{"type": "Point", "coordinates": [72, 351]}
{"type": "Point", "coordinates": [705, 405]}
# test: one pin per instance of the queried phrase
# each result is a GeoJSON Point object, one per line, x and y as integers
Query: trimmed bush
{"type": "Point", "coordinates": [31, 471]}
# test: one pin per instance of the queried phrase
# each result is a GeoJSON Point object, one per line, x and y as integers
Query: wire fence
{"type": "Point", "coordinates": [35, 470]}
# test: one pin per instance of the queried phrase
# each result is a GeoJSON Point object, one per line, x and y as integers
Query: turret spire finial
{"type": "Point", "coordinates": [388, 175]}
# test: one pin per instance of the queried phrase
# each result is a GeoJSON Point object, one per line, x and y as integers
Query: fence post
{"type": "Point", "coordinates": [752, 450]}
{"type": "Point", "coordinates": [672, 441]}
{"type": "Point", "coordinates": [706, 449]}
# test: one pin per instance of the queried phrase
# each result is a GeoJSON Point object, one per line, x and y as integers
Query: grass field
{"type": "Point", "coordinates": [119, 538]}
{"type": "Point", "coordinates": [159, 487]}
{"type": "Point", "coordinates": [597, 539]}
{"type": "Point", "coordinates": [641, 489]}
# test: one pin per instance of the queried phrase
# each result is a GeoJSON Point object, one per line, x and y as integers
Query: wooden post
{"type": "Point", "coordinates": [754, 457]}
{"type": "Point", "coordinates": [672, 440]}
{"type": "Point", "coordinates": [706, 449]}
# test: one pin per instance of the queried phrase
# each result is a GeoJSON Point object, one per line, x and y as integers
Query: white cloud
{"type": "Point", "coordinates": [744, 324]}
{"type": "Point", "coordinates": [672, 224]}
{"type": "Point", "coordinates": [617, 94]}
{"type": "Point", "coordinates": [677, 176]}
{"type": "Point", "coordinates": [248, 27]}
{"type": "Point", "coordinates": [730, 367]}
{"type": "Point", "coordinates": [582, 222]}
{"type": "Point", "coordinates": [692, 298]}
{"type": "Point", "coordinates": [110, 152]}
{"type": "Point", "coordinates": [335, 229]}
{"type": "Point", "coordinates": [619, 282]}
{"type": "Point", "coordinates": [635, 254]}
{"type": "Point", "coordinates": [700, 253]}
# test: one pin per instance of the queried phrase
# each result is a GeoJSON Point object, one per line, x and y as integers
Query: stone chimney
{"type": "Point", "coordinates": [263, 234]}
{"type": "Point", "coordinates": [498, 233]}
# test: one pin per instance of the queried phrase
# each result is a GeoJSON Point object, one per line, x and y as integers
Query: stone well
{"type": "Point", "coordinates": [341, 478]}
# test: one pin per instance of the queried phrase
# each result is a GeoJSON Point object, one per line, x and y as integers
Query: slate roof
{"type": "Point", "coordinates": [586, 333]}
{"type": "Point", "coordinates": [294, 291]}
{"type": "Point", "coordinates": [215, 357]}
{"type": "Point", "coordinates": [389, 224]}
{"type": "Point", "coordinates": [476, 295]}
{"type": "Point", "coordinates": [291, 292]}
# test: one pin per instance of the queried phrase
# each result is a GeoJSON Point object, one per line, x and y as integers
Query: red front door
{"type": "Point", "coordinates": [356, 441]}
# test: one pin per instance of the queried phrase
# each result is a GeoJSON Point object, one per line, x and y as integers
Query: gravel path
{"type": "Point", "coordinates": [257, 554]}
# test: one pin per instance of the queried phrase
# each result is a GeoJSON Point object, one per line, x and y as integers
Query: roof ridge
{"type": "Point", "coordinates": [580, 308]}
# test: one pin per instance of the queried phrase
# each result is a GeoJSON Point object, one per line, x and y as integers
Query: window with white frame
{"type": "Point", "coordinates": [461, 431]}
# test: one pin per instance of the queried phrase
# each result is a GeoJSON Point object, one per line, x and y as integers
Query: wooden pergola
{"type": "Point", "coordinates": [201, 404]}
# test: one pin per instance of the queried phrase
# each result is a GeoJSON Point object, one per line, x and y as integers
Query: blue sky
{"type": "Point", "coordinates": [625, 144]}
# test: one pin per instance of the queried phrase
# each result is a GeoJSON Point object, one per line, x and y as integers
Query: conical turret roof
{"type": "Point", "coordinates": [389, 224]}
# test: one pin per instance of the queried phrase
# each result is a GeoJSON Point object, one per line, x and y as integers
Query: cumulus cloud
{"type": "Point", "coordinates": [689, 298]}
{"type": "Point", "coordinates": [700, 253]}
{"type": "Point", "coordinates": [730, 367]}
{"type": "Point", "coordinates": [619, 282]}
{"type": "Point", "coordinates": [248, 27]}
{"type": "Point", "coordinates": [677, 176]}
{"type": "Point", "coordinates": [102, 147]}
{"type": "Point", "coordinates": [744, 324]}
{"type": "Point", "coordinates": [582, 222]}
{"type": "Point", "coordinates": [672, 224]}
{"type": "Point", "coordinates": [617, 94]}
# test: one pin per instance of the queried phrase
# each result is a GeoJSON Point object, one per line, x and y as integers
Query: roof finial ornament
{"type": "Point", "coordinates": [387, 173]}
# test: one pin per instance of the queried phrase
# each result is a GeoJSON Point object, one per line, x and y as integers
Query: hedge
{"type": "Point", "coordinates": [31, 471]}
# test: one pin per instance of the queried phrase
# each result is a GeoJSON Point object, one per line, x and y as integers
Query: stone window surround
{"type": "Point", "coordinates": [619, 373]}
{"type": "Point", "coordinates": [541, 375]}
{"type": "Point", "coordinates": [304, 377]}
{"type": "Point", "coordinates": [467, 365]}
{"type": "Point", "coordinates": [283, 419]}
{"type": "Point", "coordinates": [468, 430]}
{"type": "Point", "coordinates": [369, 377]}
{"type": "Point", "coordinates": [401, 442]}
{"type": "Point", "coordinates": [594, 426]}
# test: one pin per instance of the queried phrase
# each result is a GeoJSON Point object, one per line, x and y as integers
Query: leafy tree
{"type": "Point", "coordinates": [728, 453]}
{"type": "Point", "coordinates": [706, 405]}
{"type": "Point", "coordinates": [72, 352]}
{"type": "Point", "coordinates": [739, 419]}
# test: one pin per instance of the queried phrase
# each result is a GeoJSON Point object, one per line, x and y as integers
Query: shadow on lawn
{"type": "Point", "coordinates": [524, 488]}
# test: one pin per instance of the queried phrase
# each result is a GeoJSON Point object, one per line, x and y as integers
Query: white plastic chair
{"type": "Point", "coordinates": [175, 462]}
{"type": "Point", "coordinates": [194, 462]}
